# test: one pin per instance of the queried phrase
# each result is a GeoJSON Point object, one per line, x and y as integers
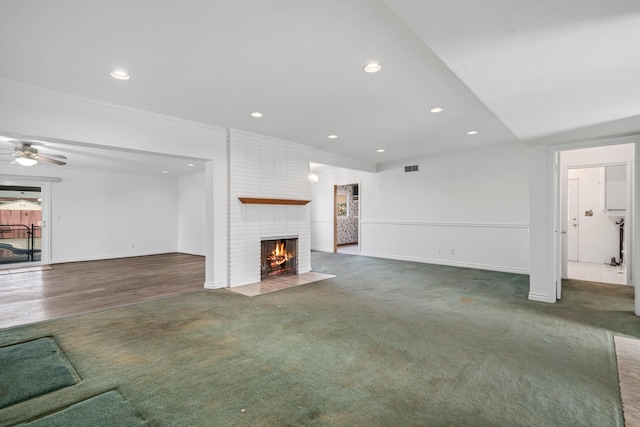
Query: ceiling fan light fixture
{"type": "Point", "coordinates": [437, 110]}
{"type": "Point", "coordinates": [26, 161]}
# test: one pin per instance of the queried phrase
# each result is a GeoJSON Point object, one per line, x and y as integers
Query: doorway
{"type": "Point", "coordinates": [346, 218]}
{"type": "Point", "coordinates": [596, 202]}
{"type": "Point", "coordinates": [595, 223]}
{"type": "Point", "coordinates": [23, 232]}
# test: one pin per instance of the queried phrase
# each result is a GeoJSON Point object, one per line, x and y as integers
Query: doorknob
{"type": "Point", "coordinates": [563, 232]}
{"type": "Point", "coordinates": [575, 225]}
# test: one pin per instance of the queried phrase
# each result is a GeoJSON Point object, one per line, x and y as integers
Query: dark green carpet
{"type": "Point", "coordinates": [106, 409]}
{"type": "Point", "coordinates": [385, 343]}
{"type": "Point", "coordinates": [33, 368]}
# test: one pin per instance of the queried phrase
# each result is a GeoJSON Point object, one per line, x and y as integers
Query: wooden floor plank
{"type": "Point", "coordinates": [81, 287]}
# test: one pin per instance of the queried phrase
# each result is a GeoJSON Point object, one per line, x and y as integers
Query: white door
{"type": "Point", "coordinates": [573, 226]}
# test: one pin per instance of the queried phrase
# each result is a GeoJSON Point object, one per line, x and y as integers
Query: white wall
{"type": "Point", "coordinates": [191, 213]}
{"type": "Point", "coordinates": [35, 111]}
{"type": "Point", "coordinates": [595, 156]}
{"type": "Point", "coordinates": [100, 215]}
{"type": "Point", "coordinates": [39, 112]}
{"type": "Point", "coordinates": [598, 235]}
{"type": "Point", "coordinates": [474, 203]}
{"type": "Point", "coordinates": [322, 203]}
{"type": "Point", "coordinates": [264, 167]}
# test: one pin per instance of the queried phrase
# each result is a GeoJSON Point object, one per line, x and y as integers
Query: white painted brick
{"type": "Point", "coordinates": [261, 166]}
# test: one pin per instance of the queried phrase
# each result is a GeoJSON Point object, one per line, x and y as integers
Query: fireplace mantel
{"type": "Point", "coordinates": [259, 201]}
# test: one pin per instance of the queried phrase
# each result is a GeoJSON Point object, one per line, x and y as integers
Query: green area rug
{"type": "Point", "coordinates": [106, 409]}
{"type": "Point", "coordinates": [31, 369]}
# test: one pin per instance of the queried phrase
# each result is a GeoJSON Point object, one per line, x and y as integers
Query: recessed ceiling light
{"type": "Point", "coordinates": [332, 136]}
{"type": "Point", "coordinates": [472, 132]}
{"type": "Point", "coordinates": [165, 171]}
{"type": "Point", "coordinates": [381, 150]}
{"type": "Point", "coordinates": [190, 165]}
{"type": "Point", "coordinates": [120, 75]}
{"type": "Point", "coordinates": [437, 110]}
{"type": "Point", "coordinates": [256, 114]}
{"type": "Point", "coordinates": [372, 67]}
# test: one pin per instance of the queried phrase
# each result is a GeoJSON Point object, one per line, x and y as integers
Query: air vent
{"type": "Point", "coordinates": [413, 168]}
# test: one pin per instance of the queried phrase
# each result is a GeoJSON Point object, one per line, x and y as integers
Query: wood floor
{"type": "Point", "coordinates": [80, 287]}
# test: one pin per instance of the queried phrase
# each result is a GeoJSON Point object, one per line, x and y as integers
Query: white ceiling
{"type": "Point", "coordinates": [544, 68]}
{"type": "Point", "coordinates": [84, 156]}
{"type": "Point", "coordinates": [515, 71]}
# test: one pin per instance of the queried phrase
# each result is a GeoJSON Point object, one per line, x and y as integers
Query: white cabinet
{"type": "Point", "coordinates": [615, 190]}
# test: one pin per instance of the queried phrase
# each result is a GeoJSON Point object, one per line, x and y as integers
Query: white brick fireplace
{"type": "Point", "coordinates": [265, 168]}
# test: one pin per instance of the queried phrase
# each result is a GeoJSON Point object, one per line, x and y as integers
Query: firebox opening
{"type": "Point", "coordinates": [279, 258]}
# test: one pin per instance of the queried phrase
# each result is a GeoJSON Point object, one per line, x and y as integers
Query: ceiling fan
{"type": "Point", "coordinates": [27, 155]}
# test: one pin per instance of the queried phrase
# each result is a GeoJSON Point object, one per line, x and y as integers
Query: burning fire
{"type": "Point", "coordinates": [279, 255]}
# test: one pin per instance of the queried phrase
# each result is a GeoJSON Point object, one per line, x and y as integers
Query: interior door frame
{"type": "Point", "coordinates": [559, 204]}
{"type": "Point", "coordinates": [335, 218]}
{"type": "Point", "coordinates": [558, 227]}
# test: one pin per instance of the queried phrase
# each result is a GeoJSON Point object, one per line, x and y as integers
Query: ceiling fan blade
{"type": "Point", "coordinates": [47, 159]}
{"type": "Point", "coordinates": [55, 156]}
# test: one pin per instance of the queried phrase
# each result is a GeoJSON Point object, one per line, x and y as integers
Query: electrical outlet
{"type": "Point", "coordinates": [437, 250]}
{"type": "Point", "coordinates": [452, 251]}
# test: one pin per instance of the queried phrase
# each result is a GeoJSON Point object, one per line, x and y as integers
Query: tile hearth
{"type": "Point", "coordinates": [272, 285]}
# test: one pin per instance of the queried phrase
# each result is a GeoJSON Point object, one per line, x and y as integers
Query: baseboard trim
{"type": "Point", "coordinates": [322, 249]}
{"type": "Point", "coordinates": [114, 256]}
{"type": "Point", "coordinates": [192, 253]}
{"type": "Point", "coordinates": [215, 285]}
{"type": "Point", "coordinates": [533, 296]}
{"type": "Point", "coordinates": [500, 268]}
